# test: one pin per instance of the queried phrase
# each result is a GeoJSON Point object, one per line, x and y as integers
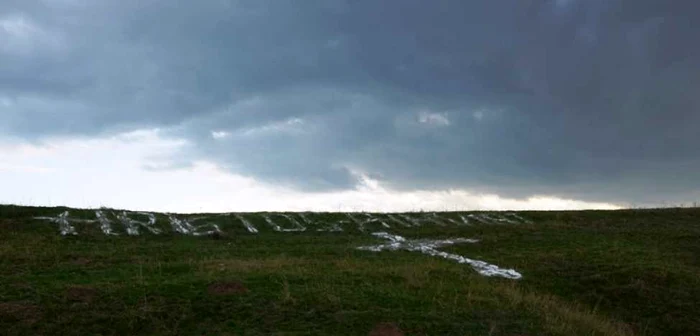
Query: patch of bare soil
{"type": "Point", "coordinates": [9, 224]}
{"type": "Point", "coordinates": [81, 294]}
{"type": "Point", "coordinates": [386, 329]}
{"type": "Point", "coordinates": [227, 288]}
{"type": "Point", "coordinates": [20, 312]}
{"type": "Point", "coordinates": [80, 261]}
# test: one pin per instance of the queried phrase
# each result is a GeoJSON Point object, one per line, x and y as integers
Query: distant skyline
{"type": "Point", "coordinates": [349, 105]}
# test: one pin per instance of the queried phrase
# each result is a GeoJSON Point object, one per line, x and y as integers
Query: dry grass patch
{"type": "Point", "coordinates": [227, 288]}
{"type": "Point", "coordinates": [271, 264]}
{"type": "Point", "coordinates": [416, 274]}
{"type": "Point", "coordinates": [9, 224]}
{"type": "Point", "coordinates": [81, 294]}
{"type": "Point", "coordinates": [81, 261]}
{"type": "Point", "coordinates": [22, 312]}
{"type": "Point", "coordinates": [386, 329]}
{"type": "Point", "coordinates": [560, 317]}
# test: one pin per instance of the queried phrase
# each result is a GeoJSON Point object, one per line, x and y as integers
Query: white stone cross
{"type": "Point", "coordinates": [430, 247]}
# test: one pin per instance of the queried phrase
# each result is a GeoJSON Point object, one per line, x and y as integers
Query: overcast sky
{"type": "Point", "coordinates": [349, 105]}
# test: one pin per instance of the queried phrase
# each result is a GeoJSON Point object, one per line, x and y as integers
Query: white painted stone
{"type": "Point", "coordinates": [430, 247]}
{"type": "Point", "coordinates": [132, 225]}
{"type": "Point", "coordinates": [105, 224]}
{"type": "Point", "coordinates": [297, 226]}
{"type": "Point", "coordinates": [64, 226]}
{"type": "Point", "coordinates": [247, 224]}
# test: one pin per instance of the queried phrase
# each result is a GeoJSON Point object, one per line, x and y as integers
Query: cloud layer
{"type": "Point", "coordinates": [594, 100]}
{"type": "Point", "coordinates": [85, 173]}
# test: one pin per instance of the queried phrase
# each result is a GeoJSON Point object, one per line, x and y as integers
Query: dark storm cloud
{"type": "Point", "coordinates": [587, 99]}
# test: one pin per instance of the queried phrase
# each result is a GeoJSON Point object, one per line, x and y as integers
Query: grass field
{"type": "Point", "coordinates": [629, 272]}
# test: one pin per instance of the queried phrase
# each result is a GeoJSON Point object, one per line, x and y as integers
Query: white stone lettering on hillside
{"type": "Point", "coordinates": [395, 219]}
{"type": "Point", "coordinates": [203, 229]}
{"type": "Point", "coordinates": [105, 224]}
{"type": "Point", "coordinates": [272, 224]}
{"type": "Point", "coordinates": [519, 218]}
{"type": "Point", "coordinates": [437, 220]}
{"type": "Point", "coordinates": [421, 219]}
{"type": "Point", "coordinates": [64, 226]}
{"type": "Point", "coordinates": [430, 247]}
{"type": "Point", "coordinates": [410, 220]}
{"type": "Point", "coordinates": [132, 226]}
{"type": "Point", "coordinates": [187, 227]}
{"type": "Point", "coordinates": [280, 222]}
{"type": "Point", "coordinates": [478, 218]}
{"type": "Point", "coordinates": [151, 225]}
{"type": "Point", "coordinates": [247, 224]}
{"type": "Point", "coordinates": [322, 226]}
{"type": "Point", "coordinates": [363, 219]}
{"type": "Point", "coordinates": [180, 226]}
{"type": "Point", "coordinates": [132, 229]}
{"type": "Point", "coordinates": [352, 220]}
{"type": "Point", "coordinates": [297, 226]}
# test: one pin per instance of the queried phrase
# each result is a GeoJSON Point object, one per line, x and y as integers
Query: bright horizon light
{"type": "Point", "coordinates": [132, 171]}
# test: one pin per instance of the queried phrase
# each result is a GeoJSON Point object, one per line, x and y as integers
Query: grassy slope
{"type": "Point", "coordinates": [585, 273]}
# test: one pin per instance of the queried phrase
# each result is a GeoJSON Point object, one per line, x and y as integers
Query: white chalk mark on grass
{"type": "Point", "coordinates": [132, 226]}
{"type": "Point", "coordinates": [360, 225]}
{"type": "Point", "coordinates": [197, 229]}
{"type": "Point", "coordinates": [490, 218]}
{"type": "Point", "coordinates": [184, 226]}
{"type": "Point", "coordinates": [334, 227]}
{"type": "Point", "coordinates": [325, 226]}
{"type": "Point", "coordinates": [298, 227]}
{"type": "Point", "coordinates": [371, 219]}
{"type": "Point", "coordinates": [423, 218]}
{"type": "Point", "coordinates": [397, 220]}
{"type": "Point", "coordinates": [518, 217]}
{"type": "Point", "coordinates": [410, 220]}
{"type": "Point", "coordinates": [495, 219]}
{"type": "Point", "coordinates": [151, 218]}
{"type": "Point", "coordinates": [180, 226]}
{"type": "Point", "coordinates": [477, 218]}
{"type": "Point", "coordinates": [272, 224]}
{"type": "Point", "coordinates": [105, 224]}
{"type": "Point", "coordinates": [247, 224]}
{"type": "Point", "coordinates": [430, 247]}
{"type": "Point", "coordinates": [504, 219]}
{"type": "Point", "coordinates": [436, 219]}
{"type": "Point", "coordinates": [63, 224]}
{"type": "Point", "coordinates": [298, 224]}
{"type": "Point", "coordinates": [363, 222]}
{"type": "Point", "coordinates": [305, 219]}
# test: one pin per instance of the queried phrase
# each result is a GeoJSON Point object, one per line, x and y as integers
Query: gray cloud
{"type": "Point", "coordinates": [588, 99]}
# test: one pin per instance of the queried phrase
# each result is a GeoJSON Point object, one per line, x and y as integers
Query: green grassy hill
{"type": "Point", "coordinates": [107, 272]}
